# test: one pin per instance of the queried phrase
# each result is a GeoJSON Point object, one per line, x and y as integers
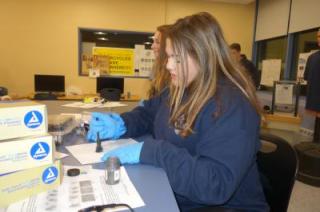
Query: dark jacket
{"type": "Point", "coordinates": [312, 75]}
{"type": "Point", "coordinates": [252, 70]}
{"type": "Point", "coordinates": [216, 165]}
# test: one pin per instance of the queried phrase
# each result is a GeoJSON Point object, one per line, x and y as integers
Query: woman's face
{"type": "Point", "coordinates": [174, 65]}
{"type": "Point", "coordinates": [156, 43]}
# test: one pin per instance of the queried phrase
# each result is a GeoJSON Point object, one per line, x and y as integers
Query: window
{"type": "Point", "coordinates": [115, 53]}
{"type": "Point", "coordinates": [272, 49]}
{"type": "Point", "coordinates": [304, 42]}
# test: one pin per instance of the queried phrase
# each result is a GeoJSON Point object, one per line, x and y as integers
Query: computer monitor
{"type": "Point", "coordinates": [48, 83]}
{"type": "Point", "coordinates": [109, 82]}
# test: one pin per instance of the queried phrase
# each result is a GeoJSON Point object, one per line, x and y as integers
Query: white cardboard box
{"type": "Point", "coordinates": [23, 184]}
{"type": "Point", "coordinates": [22, 118]}
{"type": "Point", "coordinates": [27, 152]}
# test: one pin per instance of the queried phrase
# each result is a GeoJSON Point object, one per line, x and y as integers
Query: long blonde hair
{"type": "Point", "coordinates": [200, 36]}
{"type": "Point", "coordinates": [161, 75]}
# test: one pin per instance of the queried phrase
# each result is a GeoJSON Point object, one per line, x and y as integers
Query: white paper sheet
{"type": "Point", "coordinates": [60, 155]}
{"type": "Point", "coordinates": [86, 153]}
{"type": "Point", "coordinates": [94, 105]}
{"type": "Point", "coordinates": [284, 94]}
{"type": "Point", "coordinates": [85, 190]}
{"type": "Point", "coordinates": [302, 62]}
{"type": "Point", "coordinates": [94, 72]}
{"type": "Point", "coordinates": [82, 105]}
{"type": "Point", "coordinates": [73, 104]}
{"type": "Point", "coordinates": [271, 69]}
{"type": "Point", "coordinates": [112, 104]}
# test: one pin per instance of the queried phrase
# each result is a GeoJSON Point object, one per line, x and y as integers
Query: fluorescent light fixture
{"type": "Point", "coordinates": [100, 33]}
{"type": "Point", "coordinates": [102, 38]}
{"type": "Point", "coordinates": [147, 43]}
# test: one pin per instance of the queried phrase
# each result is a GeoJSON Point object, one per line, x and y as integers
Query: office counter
{"type": "Point", "coordinates": [151, 182]}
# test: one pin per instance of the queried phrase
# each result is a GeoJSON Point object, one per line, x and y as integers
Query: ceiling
{"type": "Point", "coordinates": [233, 1]}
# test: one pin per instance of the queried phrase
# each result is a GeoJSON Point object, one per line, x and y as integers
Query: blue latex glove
{"type": "Point", "coordinates": [109, 126]}
{"type": "Point", "coordinates": [129, 154]}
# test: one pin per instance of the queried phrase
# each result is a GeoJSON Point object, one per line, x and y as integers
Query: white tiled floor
{"type": "Point", "coordinates": [304, 198]}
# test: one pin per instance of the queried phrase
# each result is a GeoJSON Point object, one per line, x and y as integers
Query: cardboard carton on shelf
{"type": "Point", "coordinates": [23, 184]}
{"type": "Point", "coordinates": [22, 118]}
{"type": "Point", "coordinates": [27, 152]}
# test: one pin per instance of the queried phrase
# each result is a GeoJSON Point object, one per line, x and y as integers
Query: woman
{"type": "Point", "coordinates": [161, 77]}
{"type": "Point", "coordinates": [205, 127]}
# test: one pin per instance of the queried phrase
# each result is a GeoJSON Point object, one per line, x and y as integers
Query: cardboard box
{"type": "Point", "coordinates": [23, 118]}
{"type": "Point", "coordinates": [23, 184]}
{"type": "Point", "coordinates": [23, 153]}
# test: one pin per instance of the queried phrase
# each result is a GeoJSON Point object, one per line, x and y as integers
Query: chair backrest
{"type": "Point", "coordinates": [278, 165]}
{"type": "Point", "coordinates": [111, 94]}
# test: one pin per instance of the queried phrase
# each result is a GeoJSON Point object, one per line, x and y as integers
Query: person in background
{"type": "Point", "coordinates": [205, 126]}
{"type": "Point", "coordinates": [312, 76]}
{"type": "Point", "coordinates": [161, 76]}
{"type": "Point", "coordinates": [235, 49]}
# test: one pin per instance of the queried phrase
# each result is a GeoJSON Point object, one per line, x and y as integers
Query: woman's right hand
{"type": "Point", "coordinates": [108, 125]}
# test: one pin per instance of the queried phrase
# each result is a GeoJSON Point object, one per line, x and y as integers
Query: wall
{"type": "Point", "coordinates": [41, 36]}
{"type": "Point", "coordinates": [236, 20]}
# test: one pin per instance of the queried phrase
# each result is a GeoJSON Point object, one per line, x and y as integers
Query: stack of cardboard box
{"type": "Point", "coordinates": [27, 164]}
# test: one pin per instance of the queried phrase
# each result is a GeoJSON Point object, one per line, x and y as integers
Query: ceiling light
{"type": "Point", "coordinates": [100, 33]}
{"type": "Point", "coordinates": [102, 38]}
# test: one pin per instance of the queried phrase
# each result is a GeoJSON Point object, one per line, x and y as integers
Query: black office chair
{"type": "Point", "coordinates": [111, 94]}
{"type": "Point", "coordinates": [278, 165]}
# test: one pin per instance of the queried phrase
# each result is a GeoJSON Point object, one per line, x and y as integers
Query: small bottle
{"type": "Point", "coordinates": [112, 173]}
{"type": "Point", "coordinates": [98, 147]}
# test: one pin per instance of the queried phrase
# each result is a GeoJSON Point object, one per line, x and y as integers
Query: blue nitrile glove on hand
{"type": "Point", "coordinates": [129, 154]}
{"type": "Point", "coordinates": [109, 126]}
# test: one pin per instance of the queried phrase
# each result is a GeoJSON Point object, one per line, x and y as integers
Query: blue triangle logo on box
{"type": "Point", "coordinates": [33, 119]}
{"type": "Point", "coordinates": [39, 150]}
{"type": "Point", "coordinates": [50, 175]}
